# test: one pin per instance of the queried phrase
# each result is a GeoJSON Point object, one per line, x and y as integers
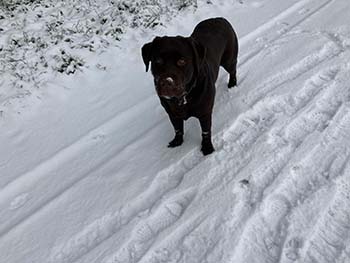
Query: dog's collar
{"type": "Point", "coordinates": [179, 101]}
{"type": "Point", "coordinates": [183, 99]}
{"type": "Point", "coordinates": [192, 85]}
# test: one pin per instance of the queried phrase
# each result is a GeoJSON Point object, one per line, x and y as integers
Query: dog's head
{"type": "Point", "coordinates": [175, 62]}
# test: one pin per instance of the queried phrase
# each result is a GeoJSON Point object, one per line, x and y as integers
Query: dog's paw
{"type": "Point", "coordinates": [177, 141]}
{"type": "Point", "coordinates": [232, 82]}
{"type": "Point", "coordinates": [207, 148]}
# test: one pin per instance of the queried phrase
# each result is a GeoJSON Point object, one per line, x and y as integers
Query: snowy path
{"type": "Point", "coordinates": [89, 178]}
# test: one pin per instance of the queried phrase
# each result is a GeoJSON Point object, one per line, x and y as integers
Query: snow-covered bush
{"type": "Point", "coordinates": [38, 37]}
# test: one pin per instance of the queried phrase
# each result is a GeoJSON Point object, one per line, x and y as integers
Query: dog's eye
{"type": "Point", "coordinates": [159, 61]}
{"type": "Point", "coordinates": [181, 62]}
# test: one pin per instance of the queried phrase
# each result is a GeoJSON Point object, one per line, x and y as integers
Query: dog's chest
{"type": "Point", "coordinates": [179, 111]}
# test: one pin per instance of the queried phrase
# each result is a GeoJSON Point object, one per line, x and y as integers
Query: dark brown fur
{"type": "Point", "coordinates": [185, 70]}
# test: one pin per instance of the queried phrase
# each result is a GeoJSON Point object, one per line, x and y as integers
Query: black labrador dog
{"type": "Point", "coordinates": [185, 70]}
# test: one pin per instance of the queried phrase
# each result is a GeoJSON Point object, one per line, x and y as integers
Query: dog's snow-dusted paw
{"type": "Point", "coordinates": [177, 141]}
{"type": "Point", "coordinates": [232, 83]}
{"type": "Point", "coordinates": [207, 148]}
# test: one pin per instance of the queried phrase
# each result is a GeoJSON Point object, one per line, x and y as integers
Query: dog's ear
{"type": "Point", "coordinates": [147, 50]}
{"type": "Point", "coordinates": [199, 52]}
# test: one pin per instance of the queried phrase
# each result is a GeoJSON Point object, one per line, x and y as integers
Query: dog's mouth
{"type": "Point", "coordinates": [167, 97]}
{"type": "Point", "coordinates": [170, 87]}
{"type": "Point", "coordinates": [172, 93]}
{"type": "Point", "coordinates": [173, 97]}
{"type": "Point", "coordinates": [180, 100]}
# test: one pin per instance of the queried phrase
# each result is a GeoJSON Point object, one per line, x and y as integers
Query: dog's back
{"type": "Point", "coordinates": [220, 40]}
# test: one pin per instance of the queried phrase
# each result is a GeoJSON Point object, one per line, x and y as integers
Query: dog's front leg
{"type": "Point", "coordinates": [179, 132]}
{"type": "Point", "coordinates": [207, 146]}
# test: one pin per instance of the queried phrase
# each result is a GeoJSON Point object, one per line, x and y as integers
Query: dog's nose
{"type": "Point", "coordinates": [169, 80]}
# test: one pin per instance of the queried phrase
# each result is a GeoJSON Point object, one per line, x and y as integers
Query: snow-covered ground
{"type": "Point", "coordinates": [85, 174]}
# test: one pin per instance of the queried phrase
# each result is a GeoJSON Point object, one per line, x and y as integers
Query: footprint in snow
{"type": "Point", "coordinates": [98, 137]}
{"type": "Point", "coordinates": [257, 4]}
{"type": "Point", "coordinates": [292, 247]}
{"type": "Point", "coordinates": [19, 201]}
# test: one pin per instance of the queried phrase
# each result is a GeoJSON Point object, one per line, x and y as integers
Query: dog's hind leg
{"type": "Point", "coordinates": [230, 67]}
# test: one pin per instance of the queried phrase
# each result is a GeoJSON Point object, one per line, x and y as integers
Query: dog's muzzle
{"type": "Point", "coordinates": [168, 88]}
{"type": "Point", "coordinates": [167, 83]}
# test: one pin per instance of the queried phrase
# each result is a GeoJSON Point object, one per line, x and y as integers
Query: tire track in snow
{"type": "Point", "coordinates": [337, 45]}
{"type": "Point", "coordinates": [263, 176]}
{"type": "Point", "coordinates": [39, 180]}
{"type": "Point", "coordinates": [336, 160]}
{"type": "Point", "coordinates": [320, 79]}
{"type": "Point", "coordinates": [62, 155]}
{"type": "Point", "coordinates": [268, 227]}
{"type": "Point", "coordinates": [318, 118]}
{"type": "Point", "coordinates": [273, 27]}
{"type": "Point", "coordinates": [331, 234]}
{"type": "Point", "coordinates": [170, 248]}
{"type": "Point", "coordinates": [327, 52]}
{"type": "Point", "coordinates": [147, 230]}
{"type": "Point", "coordinates": [200, 244]}
{"type": "Point", "coordinates": [104, 227]}
{"type": "Point", "coordinates": [291, 105]}
{"type": "Point", "coordinates": [279, 203]}
{"type": "Point", "coordinates": [189, 242]}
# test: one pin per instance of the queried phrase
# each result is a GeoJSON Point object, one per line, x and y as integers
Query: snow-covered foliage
{"type": "Point", "coordinates": [38, 37]}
